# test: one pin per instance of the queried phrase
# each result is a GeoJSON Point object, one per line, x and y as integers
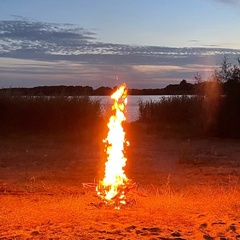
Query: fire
{"type": "Point", "coordinates": [113, 187]}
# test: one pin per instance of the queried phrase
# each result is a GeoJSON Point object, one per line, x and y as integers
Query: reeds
{"type": "Point", "coordinates": [193, 116]}
{"type": "Point", "coordinates": [58, 114]}
{"type": "Point", "coordinates": [172, 114]}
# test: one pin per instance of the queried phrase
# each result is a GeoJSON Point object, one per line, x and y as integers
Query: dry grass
{"type": "Point", "coordinates": [199, 211]}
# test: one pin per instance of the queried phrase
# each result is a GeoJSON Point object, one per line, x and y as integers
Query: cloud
{"type": "Point", "coordinates": [57, 53]}
{"type": "Point", "coordinates": [37, 39]}
{"type": "Point", "coordinates": [194, 41]}
{"type": "Point", "coordinates": [66, 42]}
{"type": "Point", "coordinates": [158, 69]}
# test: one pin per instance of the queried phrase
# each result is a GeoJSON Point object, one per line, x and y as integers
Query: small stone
{"type": "Point", "coordinates": [116, 232]}
{"type": "Point", "coordinates": [203, 225]}
{"type": "Point", "coordinates": [34, 233]}
{"type": "Point", "coordinates": [176, 234]}
{"type": "Point", "coordinates": [232, 227]}
{"type": "Point", "coordinates": [207, 237]}
{"type": "Point", "coordinates": [128, 229]}
{"type": "Point", "coordinates": [152, 229]}
{"type": "Point", "coordinates": [138, 231]}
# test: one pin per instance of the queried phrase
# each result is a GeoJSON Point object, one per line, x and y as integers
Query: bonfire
{"type": "Point", "coordinates": [115, 184]}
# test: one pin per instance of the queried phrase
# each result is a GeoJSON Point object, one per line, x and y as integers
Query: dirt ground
{"type": "Point", "coordinates": [185, 189]}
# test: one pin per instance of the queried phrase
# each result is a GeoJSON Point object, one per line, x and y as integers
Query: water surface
{"type": "Point", "coordinates": [132, 106]}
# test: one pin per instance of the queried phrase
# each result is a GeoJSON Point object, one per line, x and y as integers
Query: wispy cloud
{"type": "Point", "coordinates": [47, 41]}
{"type": "Point", "coordinates": [194, 41]}
{"type": "Point", "coordinates": [38, 38]}
{"type": "Point", "coordinates": [66, 51]}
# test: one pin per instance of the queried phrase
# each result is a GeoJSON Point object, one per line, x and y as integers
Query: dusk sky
{"type": "Point", "coordinates": [145, 43]}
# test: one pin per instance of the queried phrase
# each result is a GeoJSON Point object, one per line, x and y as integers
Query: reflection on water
{"type": "Point", "coordinates": [132, 106]}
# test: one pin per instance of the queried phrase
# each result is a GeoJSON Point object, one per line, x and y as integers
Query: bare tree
{"type": "Point", "coordinates": [225, 72]}
{"type": "Point", "coordinates": [198, 77]}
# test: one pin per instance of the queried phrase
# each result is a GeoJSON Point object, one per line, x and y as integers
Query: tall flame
{"type": "Point", "coordinates": [112, 188]}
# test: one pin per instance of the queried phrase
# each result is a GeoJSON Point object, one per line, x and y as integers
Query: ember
{"type": "Point", "coordinates": [112, 189]}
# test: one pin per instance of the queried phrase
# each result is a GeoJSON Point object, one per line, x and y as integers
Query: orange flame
{"type": "Point", "coordinates": [112, 188]}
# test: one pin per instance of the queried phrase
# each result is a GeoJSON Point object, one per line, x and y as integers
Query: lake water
{"type": "Point", "coordinates": [132, 105]}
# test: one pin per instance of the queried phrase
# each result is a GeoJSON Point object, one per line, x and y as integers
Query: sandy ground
{"type": "Point", "coordinates": [185, 189]}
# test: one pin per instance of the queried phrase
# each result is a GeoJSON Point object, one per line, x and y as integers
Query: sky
{"type": "Point", "coordinates": [144, 43]}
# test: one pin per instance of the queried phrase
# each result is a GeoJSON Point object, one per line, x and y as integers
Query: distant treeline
{"type": "Point", "coordinates": [183, 88]}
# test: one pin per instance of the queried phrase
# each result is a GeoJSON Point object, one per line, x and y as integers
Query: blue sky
{"type": "Point", "coordinates": [147, 44]}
